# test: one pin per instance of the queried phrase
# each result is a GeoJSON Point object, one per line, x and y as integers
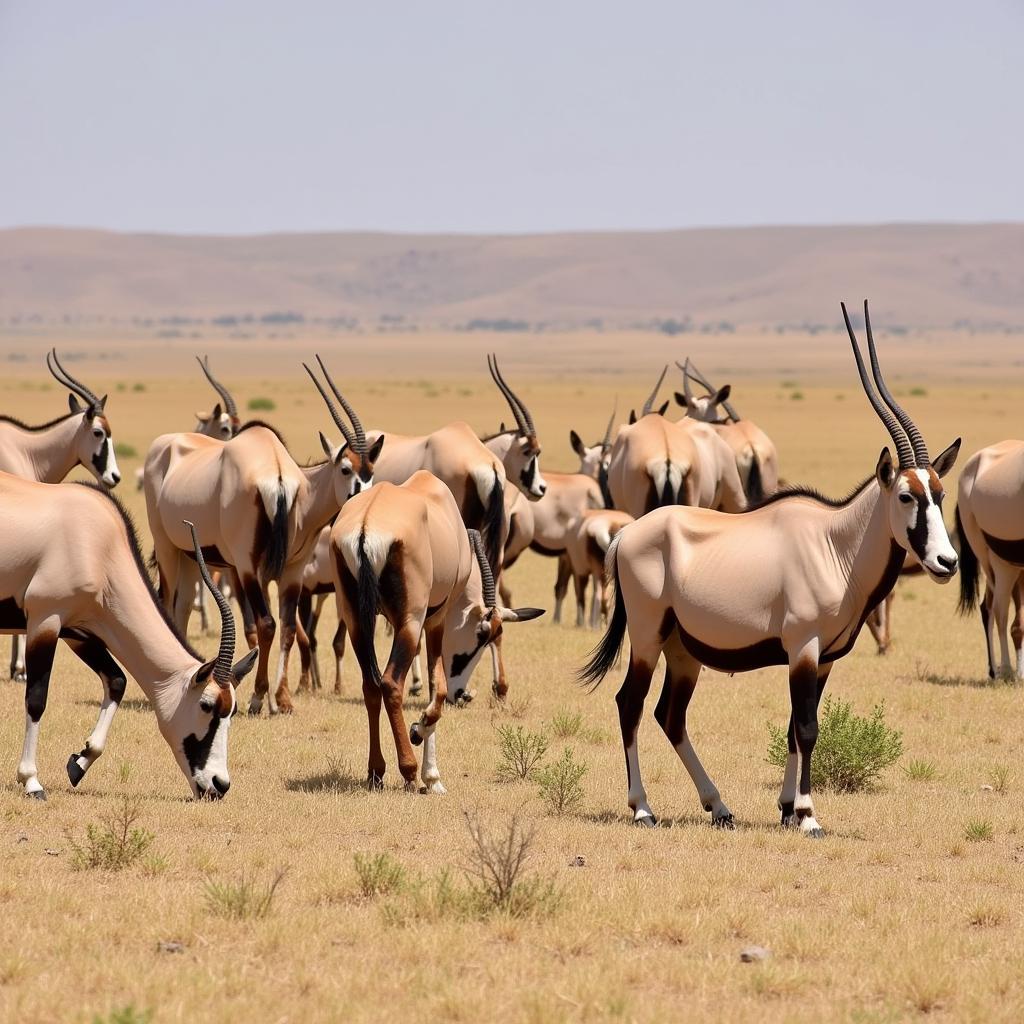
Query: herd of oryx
{"type": "Point", "coordinates": [680, 525]}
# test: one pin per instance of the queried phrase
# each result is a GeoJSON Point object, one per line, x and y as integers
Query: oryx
{"type": "Point", "coordinates": [71, 569]}
{"type": "Point", "coordinates": [222, 422]}
{"type": "Point", "coordinates": [49, 452]}
{"type": "Point", "coordinates": [586, 548]}
{"type": "Point", "coordinates": [404, 552]}
{"type": "Point", "coordinates": [788, 583]}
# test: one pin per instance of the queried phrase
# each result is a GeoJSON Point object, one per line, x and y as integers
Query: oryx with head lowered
{"type": "Point", "coordinates": [257, 512]}
{"type": "Point", "coordinates": [71, 569]}
{"type": "Point", "coordinates": [788, 583]}
{"type": "Point", "coordinates": [49, 452]}
{"type": "Point", "coordinates": [404, 552]}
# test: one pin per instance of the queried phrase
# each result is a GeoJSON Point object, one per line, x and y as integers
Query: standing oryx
{"type": "Point", "coordinates": [404, 552]}
{"type": "Point", "coordinates": [257, 512]}
{"type": "Point", "coordinates": [71, 569]}
{"type": "Point", "coordinates": [586, 548]}
{"type": "Point", "coordinates": [990, 521]}
{"type": "Point", "coordinates": [49, 452]}
{"type": "Point", "coordinates": [788, 583]}
{"type": "Point", "coordinates": [755, 454]}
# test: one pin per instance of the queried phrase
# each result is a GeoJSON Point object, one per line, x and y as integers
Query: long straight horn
{"type": "Point", "coordinates": [335, 415]}
{"type": "Point", "coordinates": [65, 378]}
{"type": "Point", "coordinates": [486, 575]}
{"type": "Point", "coordinates": [649, 404]}
{"type": "Point", "coordinates": [611, 422]}
{"type": "Point", "coordinates": [687, 390]}
{"type": "Point", "coordinates": [523, 420]}
{"type": "Point", "coordinates": [222, 666]}
{"type": "Point", "coordinates": [229, 402]}
{"type": "Point", "coordinates": [357, 426]}
{"type": "Point", "coordinates": [916, 440]}
{"type": "Point", "coordinates": [699, 377]}
{"type": "Point", "coordinates": [903, 448]}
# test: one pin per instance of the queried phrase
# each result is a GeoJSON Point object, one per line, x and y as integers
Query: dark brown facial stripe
{"type": "Point", "coordinates": [1011, 551]}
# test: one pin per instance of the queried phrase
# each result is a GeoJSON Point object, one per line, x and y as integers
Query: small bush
{"type": "Point", "coordinates": [566, 724]}
{"type": "Point", "coordinates": [919, 392]}
{"type": "Point", "coordinates": [851, 752]}
{"type": "Point", "coordinates": [115, 843]}
{"type": "Point", "coordinates": [138, 386]}
{"type": "Point", "coordinates": [124, 451]}
{"type": "Point", "coordinates": [1000, 777]}
{"type": "Point", "coordinates": [796, 396]}
{"type": "Point", "coordinates": [378, 874]}
{"type": "Point", "coordinates": [431, 899]}
{"type": "Point", "coordinates": [520, 752]}
{"type": "Point", "coordinates": [246, 899]}
{"type": "Point", "coordinates": [979, 831]}
{"type": "Point", "coordinates": [920, 771]}
{"type": "Point", "coordinates": [126, 1015]}
{"type": "Point", "coordinates": [560, 783]}
{"type": "Point", "coordinates": [261, 404]}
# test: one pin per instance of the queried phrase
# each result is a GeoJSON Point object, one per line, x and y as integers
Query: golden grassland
{"type": "Point", "coordinates": [896, 913]}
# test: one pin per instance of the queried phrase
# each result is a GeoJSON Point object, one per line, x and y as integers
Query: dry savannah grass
{"type": "Point", "coordinates": [276, 904]}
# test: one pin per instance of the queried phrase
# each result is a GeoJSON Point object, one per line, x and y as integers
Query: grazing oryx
{"type": "Point", "coordinates": [990, 521]}
{"type": "Point", "coordinates": [403, 552]}
{"type": "Point", "coordinates": [72, 569]}
{"type": "Point", "coordinates": [49, 452]}
{"type": "Point", "coordinates": [256, 512]}
{"type": "Point", "coordinates": [586, 549]}
{"type": "Point", "coordinates": [755, 454]}
{"type": "Point", "coordinates": [788, 583]}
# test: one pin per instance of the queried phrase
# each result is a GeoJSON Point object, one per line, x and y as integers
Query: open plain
{"type": "Point", "coordinates": [906, 908]}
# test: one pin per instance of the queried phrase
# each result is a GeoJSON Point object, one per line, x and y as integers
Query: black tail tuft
{"type": "Point", "coordinates": [366, 613]}
{"type": "Point", "coordinates": [276, 554]}
{"type": "Point", "coordinates": [493, 526]}
{"type": "Point", "coordinates": [968, 571]}
{"type": "Point", "coordinates": [606, 653]}
{"type": "Point", "coordinates": [755, 484]}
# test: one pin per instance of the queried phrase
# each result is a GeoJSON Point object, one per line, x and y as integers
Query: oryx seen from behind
{"type": "Point", "coordinates": [71, 569]}
{"type": "Point", "coordinates": [49, 452]}
{"type": "Point", "coordinates": [788, 583]}
{"type": "Point", "coordinates": [403, 552]}
{"type": "Point", "coordinates": [586, 549]}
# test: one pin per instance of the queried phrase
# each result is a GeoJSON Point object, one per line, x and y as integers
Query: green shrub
{"type": "Point", "coordinates": [560, 783]}
{"type": "Point", "coordinates": [260, 404]}
{"type": "Point", "coordinates": [920, 771]}
{"type": "Point", "coordinates": [566, 723]}
{"type": "Point", "coordinates": [851, 752]}
{"type": "Point", "coordinates": [247, 898]}
{"type": "Point", "coordinates": [520, 752]}
{"type": "Point", "coordinates": [126, 1015]}
{"type": "Point", "coordinates": [378, 874]}
{"type": "Point", "coordinates": [125, 451]}
{"type": "Point", "coordinates": [138, 386]}
{"type": "Point", "coordinates": [113, 844]}
{"type": "Point", "coordinates": [979, 831]}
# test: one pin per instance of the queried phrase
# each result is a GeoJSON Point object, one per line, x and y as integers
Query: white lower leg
{"type": "Point", "coordinates": [18, 667]}
{"type": "Point", "coordinates": [417, 676]}
{"type": "Point", "coordinates": [27, 766]}
{"type": "Point", "coordinates": [803, 806]}
{"type": "Point", "coordinates": [97, 740]}
{"type": "Point", "coordinates": [428, 772]}
{"type": "Point", "coordinates": [637, 794]}
{"type": "Point", "coordinates": [707, 791]}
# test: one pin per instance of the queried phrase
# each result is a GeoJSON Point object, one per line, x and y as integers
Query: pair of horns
{"type": "Point", "coordinates": [486, 575]}
{"type": "Point", "coordinates": [63, 377]}
{"type": "Point", "coordinates": [226, 652]}
{"type": "Point", "coordinates": [523, 418]}
{"type": "Point", "coordinates": [690, 370]}
{"type": "Point", "coordinates": [910, 446]}
{"type": "Point", "coordinates": [229, 402]}
{"type": "Point", "coordinates": [355, 437]}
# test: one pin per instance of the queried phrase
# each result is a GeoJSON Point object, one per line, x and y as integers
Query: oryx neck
{"type": "Point", "coordinates": [861, 537]}
{"type": "Point", "coordinates": [316, 502]}
{"type": "Point", "coordinates": [50, 448]}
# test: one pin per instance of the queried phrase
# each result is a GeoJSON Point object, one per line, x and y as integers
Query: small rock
{"type": "Point", "coordinates": [171, 947]}
{"type": "Point", "coordinates": [986, 789]}
{"type": "Point", "coordinates": [50, 852]}
{"type": "Point", "coordinates": [579, 861]}
{"type": "Point", "coordinates": [22, 837]}
{"type": "Point", "coordinates": [753, 954]}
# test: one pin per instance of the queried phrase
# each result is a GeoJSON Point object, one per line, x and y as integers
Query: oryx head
{"type": "Point", "coordinates": [594, 458]}
{"type": "Point", "coordinates": [912, 487]}
{"type": "Point", "coordinates": [523, 465]}
{"type": "Point", "coordinates": [198, 728]}
{"type": "Point", "coordinates": [712, 407]}
{"type": "Point", "coordinates": [220, 422]}
{"type": "Point", "coordinates": [481, 624]}
{"type": "Point", "coordinates": [95, 446]}
{"type": "Point", "coordinates": [354, 459]}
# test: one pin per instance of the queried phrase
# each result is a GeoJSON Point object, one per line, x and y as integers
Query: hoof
{"type": "Point", "coordinates": [415, 737]}
{"type": "Point", "coordinates": [19, 677]}
{"type": "Point", "coordinates": [789, 821]}
{"type": "Point", "coordinates": [285, 709]}
{"type": "Point", "coordinates": [646, 821]}
{"type": "Point", "coordinates": [374, 782]}
{"type": "Point", "coordinates": [37, 794]}
{"type": "Point", "coordinates": [255, 708]}
{"type": "Point", "coordinates": [75, 771]}
{"type": "Point", "coordinates": [434, 787]}
{"type": "Point", "coordinates": [815, 833]}
{"type": "Point", "coordinates": [726, 822]}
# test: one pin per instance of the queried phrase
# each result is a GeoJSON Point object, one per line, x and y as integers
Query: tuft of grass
{"type": "Point", "coordinates": [986, 916]}
{"type": "Point", "coordinates": [796, 396]}
{"type": "Point", "coordinates": [919, 392]}
{"type": "Point", "coordinates": [126, 1015]}
{"type": "Point", "coordinates": [247, 898]}
{"type": "Point", "coordinates": [125, 451]}
{"type": "Point", "coordinates": [560, 783]}
{"type": "Point", "coordinates": [852, 751]}
{"type": "Point", "coordinates": [378, 874]}
{"type": "Point", "coordinates": [1000, 775]}
{"type": "Point", "coordinates": [979, 830]}
{"type": "Point", "coordinates": [115, 843]}
{"type": "Point", "coordinates": [262, 404]}
{"type": "Point", "coordinates": [138, 386]}
{"type": "Point", "coordinates": [566, 724]}
{"type": "Point", "coordinates": [920, 771]}
{"type": "Point", "coordinates": [520, 752]}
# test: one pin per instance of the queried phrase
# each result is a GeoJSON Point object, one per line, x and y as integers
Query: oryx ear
{"type": "Point", "coordinates": [103, 403]}
{"type": "Point", "coordinates": [74, 404]}
{"type": "Point", "coordinates": [520, 614]}
{"type": "Point", "coordinates": [722, 394]}
{"type": "Point", "coordinates": [632, 416]}
{"type": "Point", "coordinates": [216, 414]}
{"type": "Point", "coordinates": [885, 471]}
{"type": "Point", "coordinates": [664, 408]}
{"type": "Point", "coordinates": [374, 453]}
{"type": "Point", "coordinates": [243, 666]}
{"type": "Point", "coordinates": [680, 399]}
{"type": "Point", "coordinates": [330, 451]}
{"type": "Point", "coordinates": [577, 443]}
{"type": "Point", "coordinates": [943, 462]}
{"type": "Point", "coordinates": [501, 427]}
{"type": "Point", "coordinates": [202, 676]}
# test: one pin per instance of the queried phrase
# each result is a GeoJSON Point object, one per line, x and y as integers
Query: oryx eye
{"type": "Point", "coordinates": [97, 433]}
{"type": "Point", "coordinates": [906, 498]}
{"type": "Point", "coordinates": [346, 470]}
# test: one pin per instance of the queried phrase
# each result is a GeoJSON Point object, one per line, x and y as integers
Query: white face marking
{"type": "Point", "coordinates": [921, 529]}
{"type": "Point", "coordinates": [100, 449]}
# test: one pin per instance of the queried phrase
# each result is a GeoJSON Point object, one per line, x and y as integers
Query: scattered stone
{"type": "Point", "coordinates": [22, 837]}
{"type": "Point", "coordinates": [754, 954]}
{"type": "Point", "coordinates": [579, 861]}
{"type": "Point", "coordinates": [986, 789]}
{"type": "Point", "coordinates": [51, 852]}
{"type": "Point", "coordinates": [173, 946]}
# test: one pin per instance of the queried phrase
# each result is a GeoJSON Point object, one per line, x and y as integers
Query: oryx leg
{"type": "Point", "coordinates": [184, 592]}
{"type": "Point", "coordinates": [579, 583]}
{"type": "Point", "coordinates": [95, 654]}
{"type": "Point", "coordinates": [338, 644]}
{"type": "Point", "coordinates": [265, 628]}
{"type": "Point", "coordinates": [18, 658]}
{"type": "Point", "coordinates": [597, 600]}
{"type": "Point", "coordinates": [306, 644]}
{"type": "Point", "coordinates": [424, 730]}
{"type": "Point", "coordinates": [630, 700]}
{"type": "Point", "coordinates": [878, 623]}
{"type": "Point", "coordinates": [416, 686]}
{"type": "Point", "coordinates": [681, 672]}
{"type": "Point", "coordinates": [40, 647]}
{"type": "Point", "coordinates": [199, 603]}
{"type": "Point", "coordinates": [314, 624]}
{"type": "Point", "coordinates": [403, 650]}
{"type": "Point", "coordinates": [499, 684]}
{"type": "Point", "coordinates": [561, 584]}
{"type": "Point", "coordinates": [806, 684]}
{"type": "Point", "coordinates": [288, 600]}
{"type": "Point", "coordinates": [1017, 628]}
{"type": "Point", "coordinates": [1005, 578]}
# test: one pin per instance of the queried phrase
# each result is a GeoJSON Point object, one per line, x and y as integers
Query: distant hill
{"type": "Point", "coordinates": [917, 275]}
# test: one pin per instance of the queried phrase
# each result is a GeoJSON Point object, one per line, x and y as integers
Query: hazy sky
{"type": "Point", "coordinates": [247, 116]}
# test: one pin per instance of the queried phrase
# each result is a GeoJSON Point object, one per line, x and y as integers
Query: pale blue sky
{"type": "Point", "coordinates": [245, 116]}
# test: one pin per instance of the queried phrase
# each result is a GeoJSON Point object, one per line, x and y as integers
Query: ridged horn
{"type": "Point", "coordinates": [357, 425]}
{"type": "Point", "coordinates": [65, 378]}
{"type": "Point", "coordinates": [486, 575]}
{"type": "Point", "coordinates": [699, 377]}
{"type": "Point", "coordinates": [335, 415]}
{"type": "Point", "coordinates": [523, 419]}
{"type": "Point", "coordinates": [229, 402]}
{"type": "Point", "coordinates": [226, 652]}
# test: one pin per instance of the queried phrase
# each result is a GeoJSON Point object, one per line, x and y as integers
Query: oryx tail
{"type": "Point", "coordinates": [278, 496]}
{"type": "Point", "coordinates": [607, 651]}
{"type": "Point", "coordinates": [969, 567]}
